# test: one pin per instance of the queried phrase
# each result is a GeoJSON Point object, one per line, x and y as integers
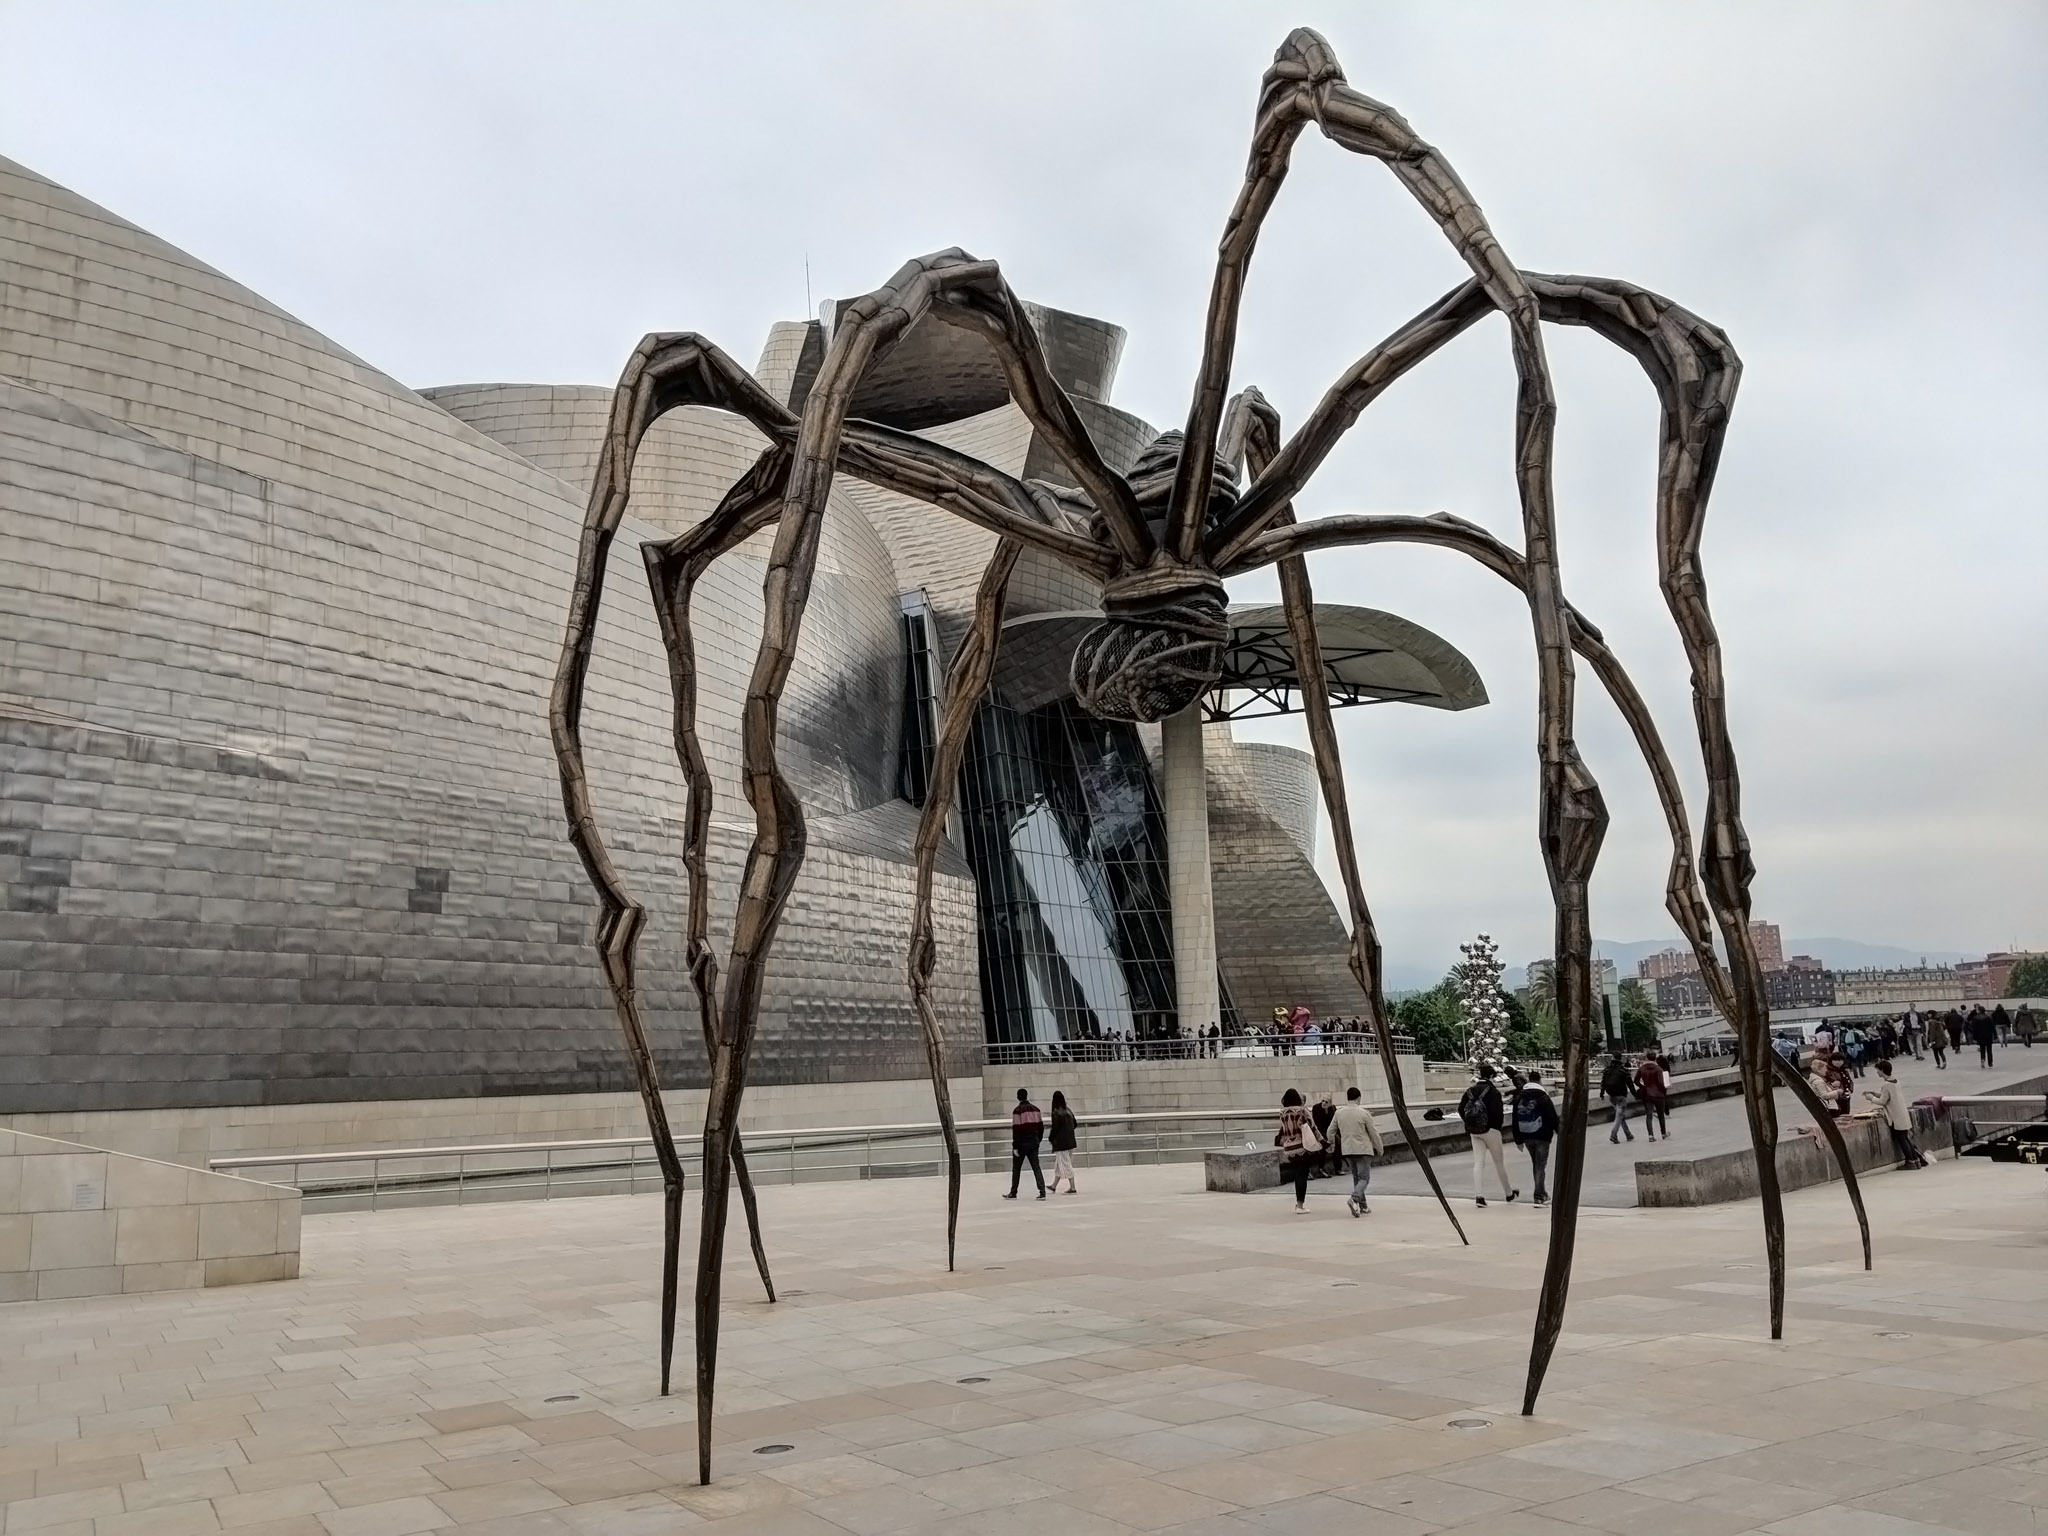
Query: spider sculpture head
{"type": "Point", "coordinates": [1164, 631]}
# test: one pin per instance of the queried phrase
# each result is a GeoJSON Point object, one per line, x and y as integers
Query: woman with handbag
{"type": "Point", "coordinates": [1299, 1146]}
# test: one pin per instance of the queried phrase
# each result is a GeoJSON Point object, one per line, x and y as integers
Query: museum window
{"type": "Point", "coordinates": [1068, 848]}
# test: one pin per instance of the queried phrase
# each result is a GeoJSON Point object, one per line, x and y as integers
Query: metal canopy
{"type": "Point", "coordinates": [1369, 657]}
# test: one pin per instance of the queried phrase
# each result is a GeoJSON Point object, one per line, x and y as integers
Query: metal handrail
{"type": "Point", "coordinates": [1239, 1046]}
{"type": "Point", "coordinates": [1155, 1135]}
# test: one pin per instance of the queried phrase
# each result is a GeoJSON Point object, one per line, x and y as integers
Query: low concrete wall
{"type": "Point", "coordinates": [1235, 1083]}
{"type": "Point", "coordinates": [1803, 1161]}
{"type": "Point", "coordinates": [81, 1221]}
{"type": "Point", "coordinates": [191, 1136]}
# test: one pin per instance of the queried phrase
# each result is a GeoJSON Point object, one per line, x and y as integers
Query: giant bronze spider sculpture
{"type": "Point", "coordinates": [1161, 541]}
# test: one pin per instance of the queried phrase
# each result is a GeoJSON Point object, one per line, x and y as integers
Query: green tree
{"type": "Point", "coordinates": [1531, 1033]}
{"type": "Point", "coordinates": [1639, 1019]}
{"type": "Point", "coordinates": [1431, 1018]}
{"type": "Point", "coordinates": [2029, 978]}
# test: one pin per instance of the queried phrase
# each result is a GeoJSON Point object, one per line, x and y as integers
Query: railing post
{"type": "Point", "coordinates": [548, 1189]}
{"type": "Point", "coordinates": [461, 1166]}
{"type": "Point", "coordinates": [373, 1183]}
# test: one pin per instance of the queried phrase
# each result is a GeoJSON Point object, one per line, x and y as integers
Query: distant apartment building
{"type": "Point", "coordinates": [1799, 987]}
{"type": "Point", "coordinates": [1682, 997]}
{"type": "Point", "coordinates": [1674, 962]}
{"type": "Point", "coordinates": [1805, 963]}
{"type": "Point", "coordinates": [1902, 984]}
{"type": "Point", "coordinates": [1988, 978]}
{"type": "Point", "coordinates": [1666, 964]}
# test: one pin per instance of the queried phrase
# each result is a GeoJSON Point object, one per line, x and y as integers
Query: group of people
{"type": "Point", "coordinates": [1324, 1138]}
{"type": "Point", "coordinates": [1029, 1126]}
{"type": "Point", "coordinates": [1647, 1084]}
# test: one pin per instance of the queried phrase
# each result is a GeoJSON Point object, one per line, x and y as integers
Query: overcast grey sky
{"type": "Point", "coordinates": [1854, 191]}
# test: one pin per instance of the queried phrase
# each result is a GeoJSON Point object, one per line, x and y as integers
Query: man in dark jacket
{"type": "Point", "coordinates": [1533, 1118]}
{"type": "Point", "coordinates": [1952, 1021]}
{"type": "Point", "coordinates": [1615, 1084]}
{"type": "Point", "coordinates": [1984, 1032]}
{"type": "Point", "coordinates": [1027, 1128]}
{"type": "Point", "coordinates": [1481, 1111]}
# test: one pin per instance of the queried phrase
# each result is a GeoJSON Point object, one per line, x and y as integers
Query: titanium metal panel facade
{"type": "Point", "coordinates": [278, 813]}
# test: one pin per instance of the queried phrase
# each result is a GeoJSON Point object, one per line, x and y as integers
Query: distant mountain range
{"type": "Point", "coordinates": [1835, 954]}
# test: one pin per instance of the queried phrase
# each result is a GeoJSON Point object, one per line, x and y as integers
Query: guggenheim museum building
{"type": "Point", "coordinates": [279, 817]}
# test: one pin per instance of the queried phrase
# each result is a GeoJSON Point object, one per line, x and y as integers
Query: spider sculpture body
{"type": "Point", "coordinates": [1200, 505]}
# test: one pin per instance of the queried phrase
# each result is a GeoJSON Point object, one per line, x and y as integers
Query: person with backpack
{"type": "Point", "coordinates": [1615, 1084]}
{"type": "Point", "coordinates": [1534, 1118]}
{"type": "Point", "coordinates": [1358, 1143]}
{"type": "Point", "coordinates": [1654, 1097]}
{"type": "Point", "coordinates": [1027, 1128]}
{"type": "Point", "coordinates": [1299, 1146]}
{"type": "Point", "coordinates": [1065, 1137]}
{"type": "Point", "coordinates": [1483, 1115]}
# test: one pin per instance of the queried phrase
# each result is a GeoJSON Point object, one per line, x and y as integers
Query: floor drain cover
{"type": "Point", "coordinates": [1340, 1284]}
{"type": "Point", "coordinates": [995, 1266]}
{"type": "Point", "coordinates": [1895, 1335]}
{"type": "Point", "coordinates": [772, 1450]}
{"type": "Point", "coordinates": [1738, 1266]}
{"type": "Point", "coordinates": [972, 1381]}
{"type": "Point", "coordinates": [570, 1397]}
{"type": "Point", "coordinates": [1471, 1424]}
{"type": "Point", "coordinates": [796, 1293]}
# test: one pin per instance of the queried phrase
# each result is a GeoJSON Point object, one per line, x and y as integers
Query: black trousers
{"type": "Point", "coordinates": [1984, 1053]}
{"type": "Point", "coordinates": [1019, 1156]}
{"type": "Point", "coordinates": [1902, 1143]}
{"type": "Point", "coordinates": [1297, 1169]}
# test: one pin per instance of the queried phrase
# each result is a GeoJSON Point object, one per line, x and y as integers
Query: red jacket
{"type": "Point", "coordinates": [1649, 1080]}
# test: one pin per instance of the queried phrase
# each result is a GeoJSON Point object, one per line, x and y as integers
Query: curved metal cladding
{"type": "Point", "coordinates": [278, 816]}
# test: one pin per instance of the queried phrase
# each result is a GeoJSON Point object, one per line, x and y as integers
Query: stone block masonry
{"type": "Point", "coordinates": [79, 1221]}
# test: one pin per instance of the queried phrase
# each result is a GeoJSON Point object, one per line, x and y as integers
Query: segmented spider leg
{"type": "Point", "coordinates": [867, 328]}
{"type": "Point", "coordinates": [1260, 427]}
{"type": "Point", "coordinates": [1684, 900]}
{"type": "Point", "coordinates": [1572, 817]}
{"type": "Point", "coordinates": [1278, 124]}
{"type": "Point", "coordinates": [966, 683]}
{"type": "Point", "coordinates": [673, 569]}
{"type": "Point", "coordinates": [663, 371]}
{"type": "Point", "coordinates": [1695, 372]}
{"type": "Point", "coordinates": [1276, 485]}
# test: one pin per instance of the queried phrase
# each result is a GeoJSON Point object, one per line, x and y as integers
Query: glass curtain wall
{"type": "Point", "coordinates": [1068, 848]}
{"type": "Point", "coordinates": [1069, 855]}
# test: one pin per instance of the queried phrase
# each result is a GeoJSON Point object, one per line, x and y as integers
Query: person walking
{"type": "Point", "coordinates": [2026, 1025]}
{"type": "Point", "coordinates": [1320, 1115]}
{"type": "Point", "coordinates": [1983, 1032]}
{"type": "Point", "coordinates": [1298, 1146]}
{"type": "Point", "coordinates": [1937, 1043]}
{"type": "Point", "coordinates": [1534, 1118]}
{"type": "Point", "coordinates": [1358, 1143]}
{"type": "Point", "coordinates": [1027, 1129]}
{"type": "Point", "coordinates": [1887, 1100]}
{"type": "Point", "coordinates": [1952, 1021]}
{"type": "Point", "coordinates": [1483, 1116]}
{"type": "Point", "coordinates": [1912, 1032]}
{"type": "Point", "coordinates": [2002, 1022]}
{"type": "Point", "coordinates": [1614, 1088]}
{"type": "Point", "coordinates": [1650, 1089]}
{"type": "Point", "coordinates": [1065, 1134]}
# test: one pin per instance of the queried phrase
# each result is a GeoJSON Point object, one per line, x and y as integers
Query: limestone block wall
{"type": "Point", "coordinates": [80, 1221]}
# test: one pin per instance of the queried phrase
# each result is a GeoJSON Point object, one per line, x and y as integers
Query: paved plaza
{"type": "Point", "coordinates": [1141, 1357]}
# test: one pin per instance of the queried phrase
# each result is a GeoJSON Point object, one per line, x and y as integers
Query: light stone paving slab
{"type": "Point", "coordinates": [1156, 1358]}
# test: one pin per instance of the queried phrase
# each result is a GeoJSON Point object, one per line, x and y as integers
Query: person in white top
{"type": "Point", "coordinates": [1886, 1100]}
